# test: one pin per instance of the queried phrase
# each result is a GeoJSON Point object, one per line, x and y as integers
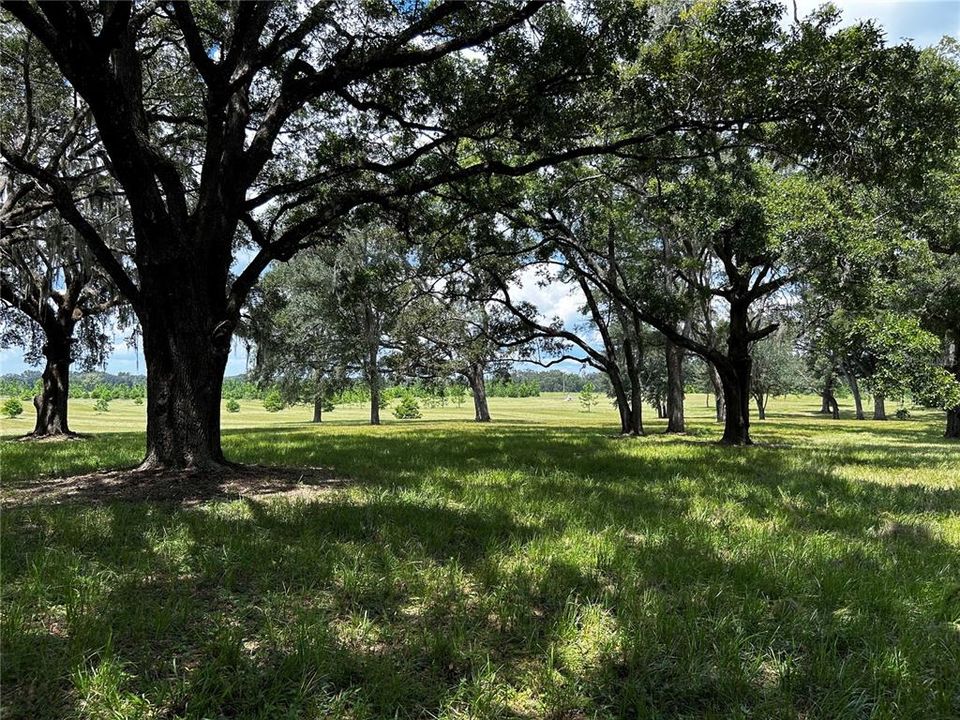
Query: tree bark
{"type": "Point", "coordinates": [478, 386]}
{"type": "Point", "coordinates": [51, 403]}
{"type": "Point", "coordinates": [317, 409]}
{"type": "Point", "coordinates": [855, 390]}
{"type": "Point", "coordinates": [675, 418]}
{"type": "Point", "coordinates": [953, 423]}
{"type": "Point", "coordinates": [632, 350]}
{"type": "Point", "coordinates": [721, 407]}
{"type": "Point", "coordinates": [735, 380]}
{"type": "Point", "coordinates": [186, 355]}
{"type": "Point", "coordinates": [735, 374]}
{"type": "Point", "coordinates": [879, 407]}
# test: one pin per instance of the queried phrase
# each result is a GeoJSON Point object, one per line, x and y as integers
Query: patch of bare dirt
{"type": "Point", "coordinates": [63, 437]}
{"type": "Point", "coordinates": [186, 487]}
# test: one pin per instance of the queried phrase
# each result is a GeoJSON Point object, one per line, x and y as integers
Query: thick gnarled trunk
{"type": "Point", "coordinates": [186, 357]}
{"type": "Point", "coordinates": [51, 403]}
{"type": "Point", "coordinates": [478, 387]}
{"type": "Point", "coordinates": [675, 417]}
{"type": "Point", "coordinates": [735, 374]}
{"type": "Point", "coordinates": [735, 380]}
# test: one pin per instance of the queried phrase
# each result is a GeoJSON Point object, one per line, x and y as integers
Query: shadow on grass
{"type": "Point", "coordinates": [498, 572]}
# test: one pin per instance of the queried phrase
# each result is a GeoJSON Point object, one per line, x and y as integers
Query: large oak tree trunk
{"type": "Point", "coordinates": [675, 418]}
{"type": "Point", "coordinates": [51, 403]}
{"type": "Point", "coordinates": [735, 377]}
{"type": "Point", "coordinates": [735, 380]}
{"type": "Point", "coordinates": [186, 355]}
{"type": "Point", "coordinates": [478, 386]}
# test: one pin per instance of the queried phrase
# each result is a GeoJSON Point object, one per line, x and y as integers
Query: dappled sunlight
{"type": "Point", "coordinates": [525, 569]}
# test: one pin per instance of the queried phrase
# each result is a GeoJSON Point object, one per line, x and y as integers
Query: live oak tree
{"type": "Point", "coordinates": [331, 313]}
{"type": "Point", "coordinates": [56, 302]}
{"type": "Point", "coordinates": [58, 306]}
{"type": "Point", "coordinates": [778, 368]}
{"type": "Point", "coordinates": [199, 110]}
{"type": "Point", "coordinates": [443, 333]}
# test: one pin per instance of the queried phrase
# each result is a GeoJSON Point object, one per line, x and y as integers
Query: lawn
{"type": "Point", "coordinates": [535, 567]}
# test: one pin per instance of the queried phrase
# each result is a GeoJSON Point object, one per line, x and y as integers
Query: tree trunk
{"type": "Point", "coordinates": [186, 355]}
{"type": "Point", "coordinates": [879, 408]}
{"type": "Point", "coordinates": [953, 363]}
{"type": "Point", "coordinates": [51, 404]}
{"type": "Point", "coordinates": [735, 377]}
{"type": "Point", "coordinates": [834, 407]}
{"type": "Point", "coordinates": [620, 395]}
{"type": "Point", "coordinates": [761, 407]}
{"type": "Point", "coordinates": [855, 390]}
{"type": "Point", "coordinates": [675, 418]}
{"type": "Point", "coordinates": [953, 423]}
{"type": "Point", "coordinates": [826, 396]}
{"type": "Point", "coordinates": [478, 386]}
{"type": "Point", "coordinates": [736, 397]}
{"type": "Point", "coordinates": [632, 350]}
{"type": "Point", "coordinates": [721, 407]}
{"type": "Point", "coordinates": [317, 409]}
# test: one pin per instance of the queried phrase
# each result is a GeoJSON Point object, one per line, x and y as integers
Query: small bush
{"type": "Point", "coordinates": [588, 398]}
{"type": "Point", "coordinates": [407, 409]}
{"type": "Point", "coordinates": [12, 408]}
{"type": "Point", "coordinates": [273, 402]}
{"type": "Point", "coordinates": [233, 406]}
{"type": "Point", "coordinates": [138, 400]}
{"type": "Point", "coordinates": [903, 414]}
{"type": "Point", "coordinates": [102, 405]}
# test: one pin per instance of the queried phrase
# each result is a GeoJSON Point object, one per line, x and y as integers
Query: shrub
{"type": "Point", "coordinates": [11, 408]}
{"type": "Point", "coordinates": [102, 405]}
{"type": "Point", "coordinates": [588, 398]}
{"type": "Point", "coordinates": [459, 393]}
{"type": "Point", "coordinates": [138, 400]}
{"type": "Point", "coordinates": [903, 414]}
{"type": "Point", "coordinates": [407, 409]}
{"type": "Point", "coordinates": [273, 402]}
{"type": "Point", "coordinates": [233, 406]}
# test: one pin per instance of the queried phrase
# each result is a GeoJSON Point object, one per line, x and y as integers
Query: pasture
{"type": "Point", "coordinates": [535, 567]}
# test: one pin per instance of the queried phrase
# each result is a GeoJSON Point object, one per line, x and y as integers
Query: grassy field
{"type": "Point", "coordinates": [536, 567]}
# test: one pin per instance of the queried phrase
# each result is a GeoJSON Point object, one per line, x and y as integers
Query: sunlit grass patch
{"type": "Point", "coordinates": [536, 567]}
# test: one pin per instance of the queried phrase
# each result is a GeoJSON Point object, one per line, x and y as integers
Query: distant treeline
{"type": "Point", "coordinates": [125, 386]}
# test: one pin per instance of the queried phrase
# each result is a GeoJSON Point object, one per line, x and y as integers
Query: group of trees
{"type": "Point", "coordinates": [712, 180]}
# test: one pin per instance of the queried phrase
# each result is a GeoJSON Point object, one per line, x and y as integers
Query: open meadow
{"type": "Point", "coordinates": [538, 566]}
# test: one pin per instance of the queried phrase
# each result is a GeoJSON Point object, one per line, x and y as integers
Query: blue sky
{"type": "Point", "coordinates": [923, 22]}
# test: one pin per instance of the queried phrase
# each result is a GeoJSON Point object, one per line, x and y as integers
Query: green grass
{"type": "Point", "coordinates": [535, 567]}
